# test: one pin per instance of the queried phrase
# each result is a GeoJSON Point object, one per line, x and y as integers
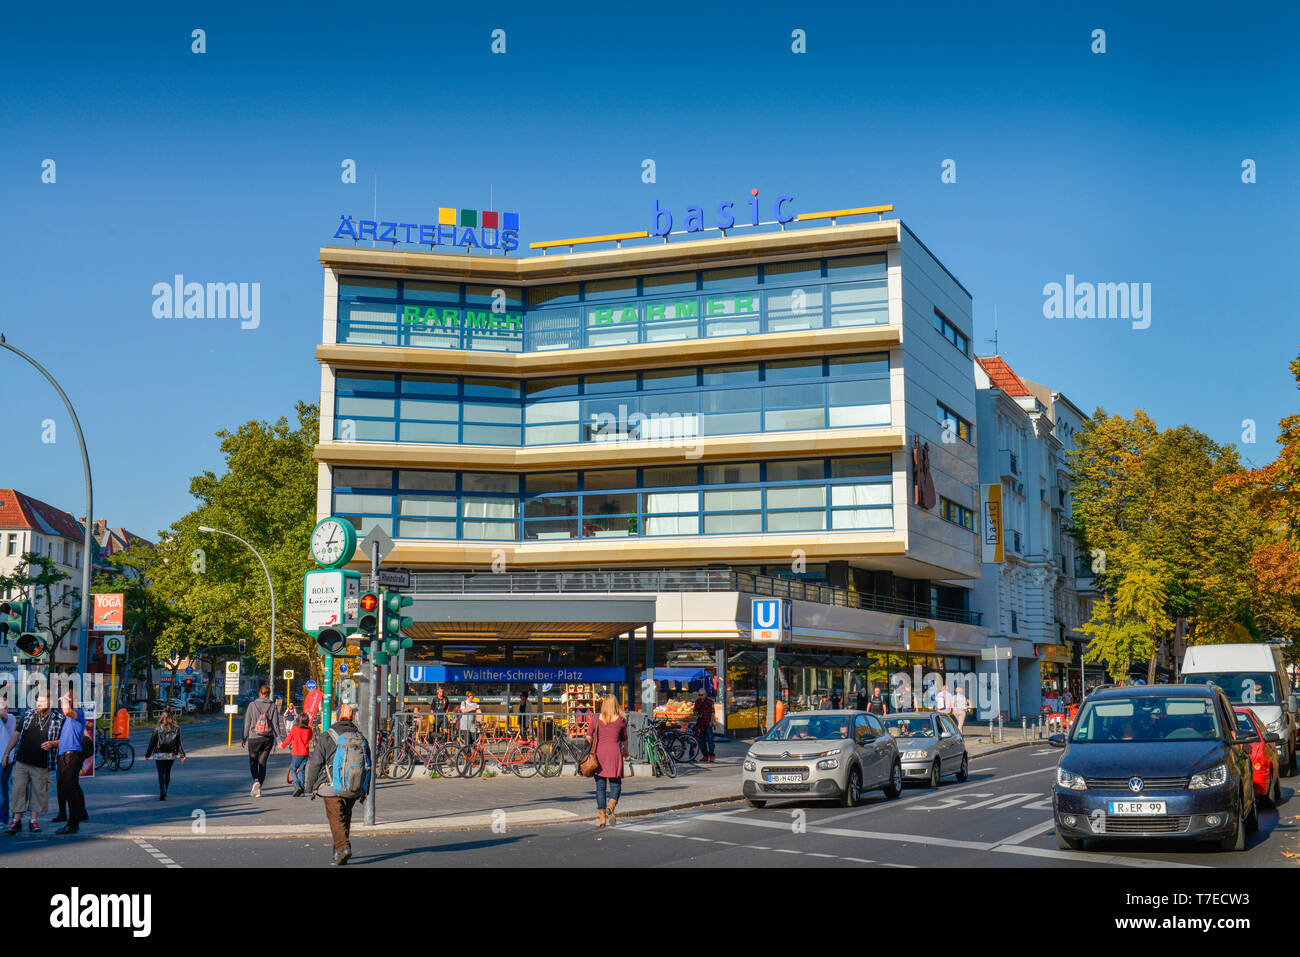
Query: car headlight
{"type": "Point", "coordinates": [830, 764]}
{"type": "Point", "coordinates": [1209, 779]}
{"type": "Point", "coordinates": [915, 755]}
{"type": "Point", "coordinates": [830, 752]}
{"type": "Point", "coordinates": [1069, 780]}
{"type": "Point", "coordinates": [750, 763]}
{"type": "Point", "coordinates": [1274, 726]}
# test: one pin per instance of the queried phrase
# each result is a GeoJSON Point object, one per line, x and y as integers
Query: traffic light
{"type": "Point", "coordinates": [243, 643]}
{"type": "Point", "coordinates": [331, 641]}
{"type": "Point", "coordinates": [394, 623]}
{"type": "Point", "coordinates": [13, 616]}
{"type": "Point", "coordinates": [368, 616]}
{"type": "Point", "coordinates": [189, 684]}
{"type": "Point", "coordinates": [34, 644]}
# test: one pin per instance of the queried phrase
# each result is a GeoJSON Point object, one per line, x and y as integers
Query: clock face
{"type": "Point", "coordinates": [333, 542]}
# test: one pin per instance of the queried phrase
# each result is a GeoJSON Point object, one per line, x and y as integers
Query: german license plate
{"type": "Point", "coordinates": [784, 778]}
{"type": "Point", "coordinates": [1137, 807]}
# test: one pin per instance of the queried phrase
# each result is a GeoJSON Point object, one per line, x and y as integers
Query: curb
{"type": "Point", "coordinates": [1008, 747]}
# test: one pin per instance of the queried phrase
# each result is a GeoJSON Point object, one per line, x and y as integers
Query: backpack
{"type": "Point", "coordinates": [168, 740]}
{"type": "Point", "coordinates": [349, 771]}
{"type": "Point", "coordinates": [262, 727]}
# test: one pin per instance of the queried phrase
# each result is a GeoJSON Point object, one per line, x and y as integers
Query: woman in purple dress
{"type": "Point", "coordinates": [607, 732]}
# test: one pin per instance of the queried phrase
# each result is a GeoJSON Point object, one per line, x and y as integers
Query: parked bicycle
{"type": "Point", "coordinates": [116, 754]}
{"type": "Point", "coordinates": [399, 761]}
{"type": "Point", "coordinates": [560, 751]}
{"type": "Point", "coordinates": [521, 756]}
{"type": "Point", "coordinates": [681, 744]}
{"type": "Point", "coordinates": [660, 761]}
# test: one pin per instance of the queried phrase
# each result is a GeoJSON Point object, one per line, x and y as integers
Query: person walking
{"type": "Point", "coordinates": [8, 728]}
{"type": "Point", "coordinates": [863, 698]}
{"type": "Point", "coordinates": [298, 740]}
{"type": "Point", "coordinates": [607, 732]}
{"type": "Point", "coordinates": [34, 753]}
{"type": "Point", "coordinates": [165, 747]}
{"type": "Point", "coordinates": [704, 725]}
{"type": "Point", "coordinates": [340, 782]}
{"type": "Point", "coordinates": [469, 712]}
{"type": "Point", "coordinates": [943, 700]}
{"type": "Point", "coordinates": [960, 705]}
{"type": "Point", "coordinates": [71, 757]}
{"type": "Point", "coordinates": [263, 730]}
{"type": "Point", "coordinates": [877, 704]}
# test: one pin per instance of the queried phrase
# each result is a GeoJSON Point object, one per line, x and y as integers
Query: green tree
{"type": "Point", "coordinates": [37, 579]}
{"type": "Point", "coordinates": [146, 614]}
{"type": "Point", "coordinates": [267, 496]}
{"type": "Point", "coordinates": [1128, 627]}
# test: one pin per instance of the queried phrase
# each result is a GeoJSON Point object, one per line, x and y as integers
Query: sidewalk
{"type": "Point", "coordinates": [209, 796]}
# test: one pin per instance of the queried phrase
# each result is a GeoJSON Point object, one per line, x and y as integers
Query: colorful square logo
{"type": "Point", "coordinates": [446, 216]}
{"type": "Point", "coordinates": [469, 217]}
{"type": "Point", "coordinates": [491, 220]}
{"type": "Point", "coordinates": [509, 220]}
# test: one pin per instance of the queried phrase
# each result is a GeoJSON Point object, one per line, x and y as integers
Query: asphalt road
{"type": "Point", "coordinates": [1000, 817]}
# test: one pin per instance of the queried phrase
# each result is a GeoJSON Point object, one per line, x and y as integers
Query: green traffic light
{"type": "Point", "coordinates": [331, 641]}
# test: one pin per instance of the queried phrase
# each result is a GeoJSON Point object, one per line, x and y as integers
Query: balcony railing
{"type": "Point", "coordinates": [674, 580]}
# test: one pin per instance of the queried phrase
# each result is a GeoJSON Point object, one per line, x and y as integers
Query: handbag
{"type": "Point", "coordinates": [590, 764]}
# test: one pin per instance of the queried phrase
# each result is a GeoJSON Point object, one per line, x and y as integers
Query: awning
{"type": "Point", "coordinates": [681, 674]}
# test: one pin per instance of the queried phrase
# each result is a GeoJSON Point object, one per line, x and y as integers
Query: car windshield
{"type": "Point", "coordinates": [1241, 687]}
{"type": "Point", "coordinates": [910, 727]}
{"type": "Point", "coordinates": [809, 727]}
{"type": "Point", "coordinates": [1146, 719]}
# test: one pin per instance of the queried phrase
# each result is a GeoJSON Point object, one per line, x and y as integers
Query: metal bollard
{"type": "Point", "coordinates": [990, 729]}
{"type": "Point", "coordinates": [1024, 728]}
{"type": "Point", "coordinates": [999, 726]}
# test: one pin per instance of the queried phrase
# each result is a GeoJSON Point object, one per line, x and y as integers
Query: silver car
{"type": "Point", "coordinates": [931, 745]}
{"type": "Point", "coordinates": [822, 754]}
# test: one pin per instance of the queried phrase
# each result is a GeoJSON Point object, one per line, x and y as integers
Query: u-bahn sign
{"type": "Point", "coordinates": [517, 675]}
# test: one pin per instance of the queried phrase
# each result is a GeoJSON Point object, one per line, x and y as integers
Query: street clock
{"type": "Point", "coordinates": [333, 542]}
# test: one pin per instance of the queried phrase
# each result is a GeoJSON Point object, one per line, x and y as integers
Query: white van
{"type": "Point", "coordinates": [1253, 675]}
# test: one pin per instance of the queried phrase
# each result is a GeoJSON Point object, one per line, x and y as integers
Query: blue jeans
{"type": "Point", "coordinates": [4, 790]}
{"type": "Point", "coordinates": [705, 737]}
{"type": "Point", "coordinates": [299, 770]}
{"type": "Point", "coordinates": [615, 786]}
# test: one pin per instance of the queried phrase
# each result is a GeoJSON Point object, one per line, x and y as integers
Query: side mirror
{"type": "Point", "coordinates": [1291, 702]}
{"type": "Point", "coordinates": [866, 737]}
{"type": "Point", "coordinates": [1272, 738]}
{"type": "Point", "coordinates": [1246, 737]}
{"type": "Point", "coordinates": [1057, 741]}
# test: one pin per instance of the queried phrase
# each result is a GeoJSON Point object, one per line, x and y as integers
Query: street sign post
{"type": "Point", "coordinates": [394, 578]}
{"type": "Point", "coordinates": [113, 645]}
{"type": "Point", "coordinates": [232, 689]}
{"type": "Point", "coordinates": [770, 624]}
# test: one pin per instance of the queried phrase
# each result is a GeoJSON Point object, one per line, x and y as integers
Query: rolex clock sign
{"type": "Point", "coordinates": [330, 592]}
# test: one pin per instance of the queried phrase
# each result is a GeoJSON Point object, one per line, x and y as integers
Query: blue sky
{"type": "Point", "coordinates": [225, 166]}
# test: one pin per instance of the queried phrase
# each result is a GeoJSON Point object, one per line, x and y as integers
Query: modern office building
{"type": "Point", "coordinates": [596, 459]}
{"type": "Point", "coordinates": [1041, 591]}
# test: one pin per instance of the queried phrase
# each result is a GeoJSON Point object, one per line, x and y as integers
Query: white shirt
{"type": "Point", "coordinates": [942, 702]}
{"type": "Point", "coordinates": [959, 702]}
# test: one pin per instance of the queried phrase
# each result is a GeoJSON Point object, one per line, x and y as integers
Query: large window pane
{"type": "Point", "coordinates": [429, 385]}
{"type": "Point", "coordinates": [538, 413]}
{"type": "Point", "coordinates": [426, 506]}
{"type": "Point", "coordinates": [550, 482]}
{"type": "Point", "coordinates": [492, 388]}
{"type": "Point", "coordinates": [379, 408]}
{"type": "Point", "coordinates": [490, 434]}
{"type": "Point", "coordinates": [490, 482]}
{"type": "Point", "coordinates": [424, 409]}
{"type": "Point", "coordinates": [615, 478]}
{"type": "Point", "coordinates": [427, 481]}
{"type": "Point", "coordinates": [737, 278]}
{"type": "Point", "coordinates": [492, 413]}
{"type": "Point", "coordinates": [551, 529]}
{"type": "Point", "coordinates": [550, 329]}
{"type": "Point", "coordinates": [731, 376]}
{"type": "Point", "coordinates": [609, 289]}
{"type": "Point", "coordinates": [855, 267]}
{"type": "Point", "coordinates": [809, 496]}
{"type": "Point", "coordinates": [550, 388]}
{"type": "Point", "coordinates": [793, 370]}
{"type": "Point", "coordinates": [431, 291]}
{"type": "Point", "coordinates": [673, 525]}
{"type": "Point", "coordinates": [362, 382]}
{"type": "Point", "coordinates": [612, 382]}
{"type": "Point", "coordinates": [551, 506]}
{"type": "Point", "coordinates": [730, 423]}
{"type": "Point", "coordinates": [731, 474]}
{"type": "Point", "coordinates": [426, 528]}
{"type": "Point", "coordinates": [609, 503]}
{"type": "Point", "coordinates": [365, 286]}
{"type": "Point", "coordinates": [807, 271]}
{"type": "Point", "coordinates": [862, 518]}
{"type": "Point", "coordinates": [354, 502]}
{"type": "Point", "coordinates": [552, 434]}
{"type": "Point", "coordinates": [446, 432]}
{"type": "Point", "coordinates": [362, 478]}
{"type": "Point", "coordinates": [880, 493]}
{"type": "Point", "coordinates": [668, 284]}
{"type": "Point", "coordinates": [874, 466]}
{"type": "Point", "coordinates": [664, 502]}
{"type": "Point", "coordinates": [669, 477]}
{"type": "Point", "coordinates": [733, 500]}
{"type": "Point", "coordinates": [668, 379]}
{"type": "Point", "coordinates": [483, 507]}
{"type": "Point", "coordinates": [511, 298]}
{"type": "Point", "coordinates": [489, 531]}
{"type": "Point", "coordinates": [796, 521]}
{"type": "Point", "coordinates": [733, 524]}
{"type": "Point", "coordinates": [800, 471]}
{"type": "Point", "coordinates": [859, 304]}
{"type": "Point", "coordinates": [364, 430]}
{"type": "Point", "coordinates": [553, 295]}
{"type": "Point", "coordinates": [864, 365]}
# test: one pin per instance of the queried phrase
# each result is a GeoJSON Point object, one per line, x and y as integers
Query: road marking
{"type": "Point", "coordinates": [1002, 801]}
{"type": "Point", "coordinates": [1090, 857]}
{"type": "Point", "coordinates": [1021, 836]}
{"type": "Point", "coordinates": [904, 802]}
{"type": "Point", "coordinates": [950, 802]}
{"type": "Point", "coordinates": [157, 855]}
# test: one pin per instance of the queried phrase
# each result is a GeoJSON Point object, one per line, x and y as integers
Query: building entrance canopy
{"type": "Point", "coordinates": [523, 617]}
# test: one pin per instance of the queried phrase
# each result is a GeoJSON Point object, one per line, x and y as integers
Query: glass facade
{"type": "Point", "coordinates": [657, 404]}
{"type": "Point", "coordinates": [700, 304]}
{"type": "Point", "coordinates": [735, 498]}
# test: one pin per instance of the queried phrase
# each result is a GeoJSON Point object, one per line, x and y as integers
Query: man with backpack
{"type": "Point", "coordinates": [263, 730]}
{"type": "Point", "coordinates": [339, 771]}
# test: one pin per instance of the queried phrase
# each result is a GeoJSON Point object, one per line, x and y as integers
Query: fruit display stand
{"type": "Point", "coordinates": [582, 703]}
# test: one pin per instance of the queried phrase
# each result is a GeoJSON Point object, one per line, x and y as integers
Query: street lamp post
{"type": "Point", "coordinates": [83, 645]}
{"type": "Point", "coordinates": [269, 585]}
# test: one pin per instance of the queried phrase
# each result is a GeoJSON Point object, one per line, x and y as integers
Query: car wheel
{"type": "Point", "coordinates": [1290, 760]}
{"type": "Point", "coordinates": [852, 788]}
{"type": "Point", "coordinates": [964, 771]}
{"type": "Point", "coordinates": [1236, 841]}
{"type": "Point", "coordinates": [935, 778]}
{"type": "Point", "coordinates": [1066, 843]}
{"type": "Point", "coordinates": [1275, 796]}
{"type": "Point", "coordinates": [1252, 819]}
{"type": "Point", "coordinates": [757, 804]}
{"type": "Point", "coordinates": [895, 786]}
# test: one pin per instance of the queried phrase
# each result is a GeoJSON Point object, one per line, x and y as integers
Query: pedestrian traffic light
{"type": "Point", "coordinates": [394, 623]}
{"type": "Point", "coordinates": [368, 617]}
{"type": "Point", "coordinates": [13, 616]}
{"type": "Point", "coordinates": [34, 644]}
{"type": "Point", "coordinates": [331, 641]}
